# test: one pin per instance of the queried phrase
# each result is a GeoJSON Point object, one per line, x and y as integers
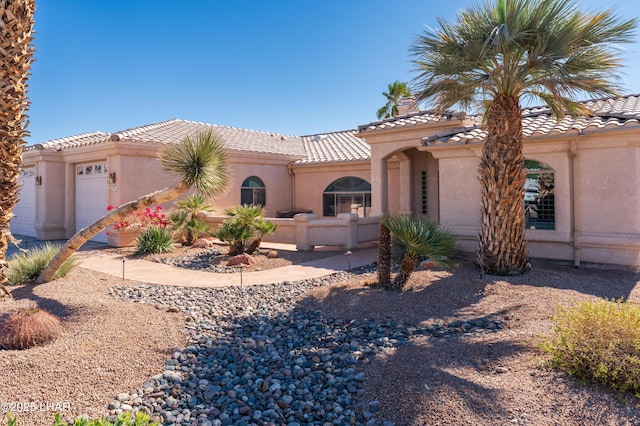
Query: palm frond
{"type": "Point", "coordinates": [520, 48]}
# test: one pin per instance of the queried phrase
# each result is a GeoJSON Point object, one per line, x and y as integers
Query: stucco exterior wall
{"type": "Point", "coordinates": [609, 171]}
{"type": "Point", "coordinates": [311, 181]}
{"type": "Point", "coordinates": [270, 169]}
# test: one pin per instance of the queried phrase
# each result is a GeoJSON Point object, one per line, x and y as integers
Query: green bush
{"type": "Point", "coordinates": [26, 266]}
{"type": "Point", "coordinates": [598, 341]}
{"type": "Point", "coordinates": [124, 419]}
{"type": "Point", "coordinates": [154, 240]}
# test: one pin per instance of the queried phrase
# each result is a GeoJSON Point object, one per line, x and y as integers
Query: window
{"type": "Point", "coordinates": [424, 195]}
{"type": "Point", "coordinates": [342, 193]}
{"type": "Point", "coordinates": [539, 196]}
{"type": "Point", "coordinates": [253, 192]}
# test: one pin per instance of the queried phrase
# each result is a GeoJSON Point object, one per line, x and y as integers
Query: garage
{"type": "Point", "coordinates": [25, 210]}
{"type": "Point", "coordinates": [91, 195]}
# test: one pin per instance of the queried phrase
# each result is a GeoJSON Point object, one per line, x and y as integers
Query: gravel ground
{"type": "Point", "coordinates": [454, 348]}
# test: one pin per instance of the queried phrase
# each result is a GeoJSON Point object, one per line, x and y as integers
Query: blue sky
{"type": "Point", "coordinates": [288, 66]}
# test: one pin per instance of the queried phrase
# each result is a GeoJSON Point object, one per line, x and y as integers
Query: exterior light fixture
{"type": "Point", "coordinates": [38, 180]}
{"type": "Point", "coordinates": [112, 177]}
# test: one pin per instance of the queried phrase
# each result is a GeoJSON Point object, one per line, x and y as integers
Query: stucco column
{"type": "Point", "coordinates": [50, 203]}
{"type": "Point", "coordinates": [302, 230]}
{"type": "Point", "coordinates": [406, 187]}
{"type": "Point", "coordinates": [379, 186]}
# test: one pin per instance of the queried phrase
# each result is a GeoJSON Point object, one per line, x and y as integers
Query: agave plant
{"type": "Point", "coordinates": [415, 237]}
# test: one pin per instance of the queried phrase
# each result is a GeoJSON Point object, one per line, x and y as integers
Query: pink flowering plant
{"type": "Point", "coordinates": [140, 220]}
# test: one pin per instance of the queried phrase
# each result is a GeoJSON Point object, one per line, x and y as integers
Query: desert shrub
{"type": "Point", "coordinates": [598, 341]}
{"type": "Point", "coordinates": [29, 327]}
{"type": "Point", "coordinates": [24, 267]}
{"type": "Point", "coordinates": [154, 240]}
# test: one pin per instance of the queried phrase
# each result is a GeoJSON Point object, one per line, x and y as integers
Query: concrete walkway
{"type": "Point", "coordinates": [158, 273]}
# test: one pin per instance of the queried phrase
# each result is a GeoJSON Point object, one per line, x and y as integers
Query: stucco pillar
{"type": "Point", "coordinates": [302, 230]}
{"type": "Point", "coordinates": [406, 187]}
{"type": "Point", "coordinates": [379, 186]}
{"type": "Point", "coordinates": [351, 237]}
{"type": "Point", "coordinates": [50, 202]}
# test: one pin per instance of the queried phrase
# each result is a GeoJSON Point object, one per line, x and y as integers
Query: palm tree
{"type": "Point", "coordinates": [416, 237]}
{"type": "Point", "coordinates": [16, 55]}
{"type": "Point", "coordinates": [384, 255]}
{"type": "Point", "coordinates": [235, 234]}
{"type": "Point", "coordinates": [261, 228]}
{"type": "Point", "coordinates": [498, 53]}
{"type": "Point", "coordinates": [246, 222]}
{"type": "Point", "coordinates": [198, 161]}
{"type": "Point", "coordinates": [184, 220]}
{"type": "Point", "coordinates": [397, 91]}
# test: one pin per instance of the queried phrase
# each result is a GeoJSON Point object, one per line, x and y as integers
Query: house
{"type": "Point", "coordinates": [581, 197]}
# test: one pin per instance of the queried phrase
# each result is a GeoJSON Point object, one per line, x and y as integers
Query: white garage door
{"type": "Point", "coordinates": [25, 210]}
{"type": "Point", "coordinates": [91, 195]}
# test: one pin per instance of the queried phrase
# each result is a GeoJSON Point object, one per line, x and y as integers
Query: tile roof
{"type": "Point", "coordinates": [234, 139]}
{"type": "Point", "coordinates": [334, 147]}
{"type": "Point", "coordinates": [71, 141]}
{"type": "Point", "coordinates": [537, 121]}
{"type": "Point", "coordinates": [410, 120]}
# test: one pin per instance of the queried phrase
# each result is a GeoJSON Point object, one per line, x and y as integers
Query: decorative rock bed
{"type": "Point", "coordinates": [253, 358]}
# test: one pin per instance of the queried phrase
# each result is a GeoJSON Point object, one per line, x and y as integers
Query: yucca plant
{"type": "Point", "coordinates": [154, 240]}
{"type": "Point", "coordinates": [27, 266]}
{"type": "Point", "coordinates": [199, 161]}
{"type": "Point", "coordinates": [416, 237]}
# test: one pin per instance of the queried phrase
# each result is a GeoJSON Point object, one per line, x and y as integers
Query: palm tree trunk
{"type": "Point", "coordinates": [16, 55]}
{"type": "Point", "coordinates": [85, 234]}
{"type": "Point", "coordinates": [255, 244]}
{"type": "Point", "coordinates": [501, 244]}
{"type": "Point", "coordinates": [384, 255]}
{"type": "Point", "coordinates": [407, 267]}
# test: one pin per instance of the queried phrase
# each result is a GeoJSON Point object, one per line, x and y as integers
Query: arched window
{"type": "Point", "coordinates": [539, 196]}
{"type": "Point", "coordinates": [345, 192]}
{"type": "Point", "coordinates": [253, 192]}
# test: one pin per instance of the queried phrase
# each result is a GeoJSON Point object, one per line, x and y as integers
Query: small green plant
{"type": "Point", "coordinates": [416, 237]}
{"type": "Point", "coordinates": [184, 221]}
{"type": "Point", "coordinates": [244, 230]}
{"type": "Point", "coordinates": [234, 233]}
{"type": "Point", "coordinates": [154, 240]}
{"type": "Point", "coordinates": [598, 341]}
{"type": "Point", "coordinates": [25, 267]}
{"type": "Point", "coordinates": [124, 419]}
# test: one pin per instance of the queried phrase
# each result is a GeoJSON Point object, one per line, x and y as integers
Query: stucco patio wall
{"type": "Point", "coordinates": [307, 231]}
